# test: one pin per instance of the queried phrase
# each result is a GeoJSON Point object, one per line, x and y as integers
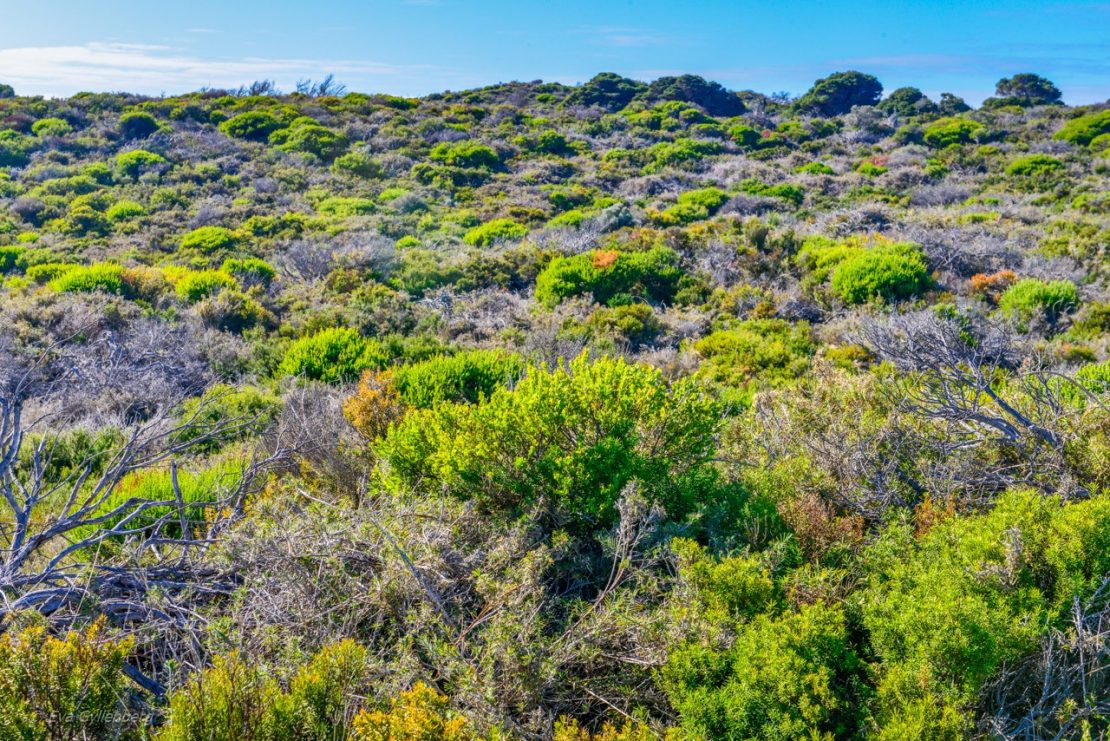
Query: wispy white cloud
{"type": "Point", "coordinates": [63, 70]}
{"type": "Point", "coordinates": [625, 37]}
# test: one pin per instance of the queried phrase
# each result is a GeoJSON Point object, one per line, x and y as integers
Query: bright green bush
{"type": "Point", "coordinates": [1030, 296]}
{"type": "Point", "coordinates": [494, 231]}
{"type": "Point", "coordinates": [755, 353]}
{"type": "Point", "coordinates": [209, 239]}
{"type": "Point", "coordinates": [889, 272]}
{"type": "Point", "coordinates": [679, 153]}
{"type": "Point", "coordinates": [333, 356]}
{"type": "Point", "coordinates": [946, 610]}
{"type": "Point", "coordinates": [105, 277]}
{"type": "Point", "coordinates": [249, 271]}
{"type": "Point", "coordinates": [464, 377]}
{"type": "Point", "coordinates": [947, 132]}
{"type": "Point", "coordinates": [787, 677]}
{"type": "Point", "coordinates": [693, 205]}
{"type": "Point", "coordinates": [608, 276]}
{"type": "Point", "coordinates": [1085, 129]}
{"type": "Point", "coordinates": [744, 135]}
{"type": "Point", "coordinates": [51, 127]}
{"type": "Point", "coordinates": [815, 168]}
{"type": "Point", "coordinates": [130, 165]}
{"type": "Point", "coordinates": [569, 439]}
{"type": "Point", "coordinates": [195, 285]}
{"type": "Point", "coordinates": [870, 169]}
{"type": "Point", "coordinates": [238, 699]}
{"type": "Point", "coordinates": [137, 125]}
{"type": "Point", "coordinates": [1036, 171]}
{"type": "Point", "coordinates": [44, 273]}
{"type": "Point", "coordinates": [465, 154]}
{"type": "Point", "coordinates": [859, 271]}
{"type": "Point", "coordinates": [309, 136]}
{"type": "Point", "coordinates": [252, 125]}
{"type": "Point", "coordinates": [124, 211]}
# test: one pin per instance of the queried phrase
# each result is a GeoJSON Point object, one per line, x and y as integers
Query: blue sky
{"type": "Point", "coordinates": [414, 47]}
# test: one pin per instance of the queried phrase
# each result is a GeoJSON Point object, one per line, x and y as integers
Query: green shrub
{"type": "Point", "coordinates": [815, 168]}
{"type": "Point", "coordinates": [46, 272]}
{"type": "Point", "coordinates": [309, 136]}
{"type": "Point", "coordinates": [9, 257]}
{"type": "Point", "coordinates": [859, 272]}
{"type": "Point", "coordinates": [465, 154]}
{"type": "Point", "coordinates": [693, 205]}
{"type": "Point", "coordinates": [51, 127]}
{"type": "Point", "coordinates": [232, 310]}
{"type": "Point", "coordinates": [464, 377]}
{"type": "Point", "coordinates": [209, 239]}
{"type": "Point", "coordinates": [231, 699]}
{"type": "Point", "coordinates": [358, 164]}
{"type": "Point", "coordinates": [889, 272]}
{"type": "Point", "coordinates": [105, 277]}
{"type": "Point", "coordinates": [69, 687]}
{"type": "Point", "coordinates": [249, 271]}
{"type": "Point", "coordinates": [635, 323]}
{"type": "Point", "coordinates": [789, 677]}
{"type": "Point", "coordinates": [870, 169]}
{"type": "Point", "coordinates": [15, 149]}
{"type": "Point", "coordinates": [1085, 129]}
{"type": "Point", "coordinates": [346, 206]}
{"type": "Point", "coordinates": [494, 231]}
{"type": "Point", "coordinates": [124, 211]}
{"type": "Point", "coordinates": [137, 125]}
{"type": "Point", "coordinates": [252, 125]}
{"type": "Point", "coordinates": [946, 610]}
{"type": "Point", "coordinates": [610, 276]}
{"type": "Point", "coordinates": [755, 353]}
{"type": "Point", "coordinates": [1030, 296]}
{"type": "Point", "coordinates": [130, 165]}
{"type": "Point", "coordinates": [679, 153]}
{"type": "Point", "coordinates": [333, 356]}
{"type": "Point", "coordinates": [570, 438]}
{"type": "Point", "coordinates": [195, 285]}
{"type": "Point", "coordinates": [947, 132]}
{"type": "Point", "coordinates": [745, 136]}
{"type": "Point", "coordinates": [1037, 171]}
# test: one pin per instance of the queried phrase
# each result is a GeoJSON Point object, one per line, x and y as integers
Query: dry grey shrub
{"type": "Point", "coordinates": [438, 589]}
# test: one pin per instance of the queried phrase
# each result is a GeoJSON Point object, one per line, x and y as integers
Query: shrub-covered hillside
{"type": "Point", "coordinates": [618, 411]}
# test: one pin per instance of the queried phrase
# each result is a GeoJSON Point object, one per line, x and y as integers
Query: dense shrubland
{"type": "Point", "coordinates": [619, 411]}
